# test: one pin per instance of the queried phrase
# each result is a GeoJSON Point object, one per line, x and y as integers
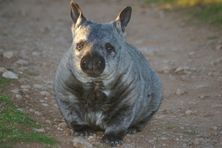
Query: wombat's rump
{"type": "Point", "coordinates": [104, 83]}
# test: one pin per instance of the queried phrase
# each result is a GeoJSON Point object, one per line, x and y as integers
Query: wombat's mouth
{"type": "Point", "coordinates": [92, 65]}
{"type": "Point", "coordinates": [93, 75]}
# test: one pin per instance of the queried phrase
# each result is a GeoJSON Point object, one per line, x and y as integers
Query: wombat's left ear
{"type": "Point", "coordinates": [76, 13]}
{"type": "Point", "coordinates": [123, 18]}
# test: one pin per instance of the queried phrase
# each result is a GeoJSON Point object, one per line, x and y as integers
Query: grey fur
{"type": "Point", "coordinates": [123, 97]}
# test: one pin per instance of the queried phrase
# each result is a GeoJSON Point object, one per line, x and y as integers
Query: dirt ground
{"type": "Point", "coordinates": [186, 53]}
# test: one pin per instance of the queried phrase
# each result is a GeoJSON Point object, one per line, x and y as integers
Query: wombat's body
{"type": "Point", "coordinates": [119, 97]}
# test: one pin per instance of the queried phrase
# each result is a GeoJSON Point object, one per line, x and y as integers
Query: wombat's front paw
{"type": "Point", "coordinates": [112, 140]}
{"type": "Point", "coordinates": [84, 133]}
{"type": "Point", "coordinates": [82, 130]}
{"type": "Point", "coordinates": [133, 130]}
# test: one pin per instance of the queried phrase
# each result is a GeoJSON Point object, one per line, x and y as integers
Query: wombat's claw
{"type": "Point", "coordinates": [111, 140]}
{"type": "Point", "coordinates": [82, 133]}
{"type": "Point", "coordinates": [133, 130]}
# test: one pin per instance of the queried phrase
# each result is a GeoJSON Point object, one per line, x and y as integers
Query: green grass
{"type": "Point", "coordinates": [209, 13]}
{"type": "Point", "coordinates": [16, 126]}
{"type": "Point", "coordinates": [3, 81]}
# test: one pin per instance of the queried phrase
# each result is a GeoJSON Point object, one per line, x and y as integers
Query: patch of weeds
{"type": "Point", "coordinates": [3, 81]}
{"type": "Point", "coordinates": [15, 125]}
{"type": "Point", "coordinates": [209, 13]}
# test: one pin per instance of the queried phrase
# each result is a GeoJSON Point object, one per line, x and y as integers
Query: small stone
{"type": "Point", "coordinates": [191, 53]}
{"type": "Point", "coordinates": [188, 112]}
{"type": "Point", "coordinates": [31, 110]}
{"type": "Point", "coordinates": [219, 47]}
{"type": "Point", "coordinates": [45, 104]}
{"type": "Point", "coordinates": [42, 101]}
{"type": "Point", "coordinates": [38, 113]}
{"type": "Point", "coordinates": [2, 69]}
{"type": "Point", "coordinates": [21, 62]}
{"type": "Point", "coordinates": [35, 53]}
{"type": "Point", "coordinates": [91, 137]}
{"type": "Point", "coordinates": [20, 109]}
{"type": "Point", "coordinates": [37, 86]}
{"type": "Point", "coordinates": [163, 138]}
{"type": "Point", "coordinates": [165, 70]}
{"type": "Point", "coordinates": [180, 92]}
{"type": "Point", "coordinates": [48, 121]}
{"type": "Point", "coordinates": [183, 70]}
{"type": "Point", "coordinates": [79, 142]}
{"type": "Point", "coordinates": [17, 96]}
{"type": "Point", "coordinates": [25, 86]}
{"type": "Point", "coordinates": [15, 91]}
{"type": "Point", "coordinates": [10, 75]}
{"type": "Point", "coordinates": [179, 69]}
{"type": "Point", "coordinates": [210, 74]}
{"type": "Point", "coordinates": [151, 141]}
{"type": "Point", "coordinates": [44, 93]}
{"type": "Point", "coordinates": [60, 129]}
{"type": "Point", "coordinates": [215, 128]}
{"type": "Point", "coordinates": [39, 130]}
{"type": "Point", "coordinates": [8, 54]}
{"type": "Point", "coordinates": [202, 96]}
{"type": "Point", "coordinates": [201, 86]}
{"type": "Point", "coordinates": [62, 125]}
{"type": "Point", "coordinates": [181, 127]}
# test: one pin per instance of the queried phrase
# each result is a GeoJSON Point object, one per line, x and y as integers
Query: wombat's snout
{"type": "Point", "coordinates": [92, 64]}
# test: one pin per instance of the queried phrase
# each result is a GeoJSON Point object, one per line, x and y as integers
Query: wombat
{"type": "Point", "coordinates": [104, 83]}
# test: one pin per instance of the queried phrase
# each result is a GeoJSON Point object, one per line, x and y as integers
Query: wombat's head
{"type": "Point", "coordinates": [97, 47]}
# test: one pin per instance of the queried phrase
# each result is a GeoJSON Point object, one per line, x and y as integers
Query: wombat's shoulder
{"type": "Point", "coordinates": [135, 53]}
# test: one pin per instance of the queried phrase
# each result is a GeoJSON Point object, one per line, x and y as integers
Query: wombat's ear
{"type": "Point", "coordinates": [123, 18]}
{"type": "Point", "coordinates": [76, 13]}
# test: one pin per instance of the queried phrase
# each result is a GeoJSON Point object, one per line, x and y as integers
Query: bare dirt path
{"type": "Point", "coordinates": [186, 54]}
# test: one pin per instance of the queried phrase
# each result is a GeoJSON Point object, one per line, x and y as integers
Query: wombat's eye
{"type": "Point", "coordinates": [80, 45]}
{"type": "Point", "coordinates": [110, 49]}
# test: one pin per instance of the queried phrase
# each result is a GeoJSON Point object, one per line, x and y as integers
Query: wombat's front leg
{"type": "Point", "coordinates": [117, 128]}
{"type": "Point", "coordinates": [80, 128]}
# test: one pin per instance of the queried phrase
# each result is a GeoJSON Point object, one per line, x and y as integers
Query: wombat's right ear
{"type": "Point", "coordinates": [123, 18]}
{"type": "Point", "coordinates": [76, 13]}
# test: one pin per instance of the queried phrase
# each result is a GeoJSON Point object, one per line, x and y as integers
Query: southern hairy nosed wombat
{"type": "Point", "coordinates": [104, 83]}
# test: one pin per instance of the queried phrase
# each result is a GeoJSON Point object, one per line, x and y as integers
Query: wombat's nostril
{"type": "Point", "coordinates": [92, 65]}
{"type": "Point", "coordinates": [99, 63]}
{"type": "Point", "coordinates": [84, 62]}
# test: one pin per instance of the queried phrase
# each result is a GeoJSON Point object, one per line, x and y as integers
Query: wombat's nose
{"type": "Point", "coordinates": [93, 65]}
